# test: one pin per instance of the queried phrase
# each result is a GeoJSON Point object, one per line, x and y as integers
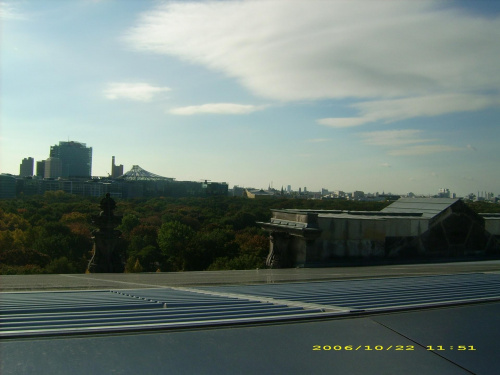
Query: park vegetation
{"type": "Point", "coordinates": [53, 233]}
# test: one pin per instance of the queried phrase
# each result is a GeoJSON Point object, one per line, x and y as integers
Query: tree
{"type": "Point", "coordinates": [174, 239]}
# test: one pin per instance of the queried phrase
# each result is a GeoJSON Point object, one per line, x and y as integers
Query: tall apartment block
{"type": "Point", "coordinates": [53, 168]}
{"type": "Point", "coordinates": [40, 168]}
{"type": "Point", "coordinates": [26, 167]}
{"type": "Point", "coordinates": [76, 158]}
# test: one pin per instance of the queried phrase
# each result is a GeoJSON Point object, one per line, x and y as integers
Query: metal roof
{"type": "Point", "coordinates": [47, 313]}
{"type": "Point", "coordinates": [391, 344]}
{"type": "Point", "coordinates": [136, 173]}
{"type": "Point", "coordinates": [376, 294]}
{"type": "Point", "coordinates": [428, 207]}
{"type": "Point", "coordinates": [459, 337]}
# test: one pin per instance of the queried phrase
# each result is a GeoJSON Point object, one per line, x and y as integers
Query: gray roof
{"type": "Point", "coordinates": [336, 326]}
{"type": "Point", "coordinates": [428, 207]}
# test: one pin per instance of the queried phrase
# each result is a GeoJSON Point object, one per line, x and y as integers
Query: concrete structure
{"type": "Point", "coordinates": [444, 193]}
{"type": "Point", "coordinates": [76, 158]}
{"type": "Point", "coordinates": [26, 167]}
{"type": "Point", "coordinates": [116, 170]}
{"type": "Point", "coordinates": [53, 168]}
{"type": "Point", "coordinates": [40, 168]}
{"type": "Point", "coordinates": [7, 186]}
{"type": "Point", "coordinates": [425, 228]}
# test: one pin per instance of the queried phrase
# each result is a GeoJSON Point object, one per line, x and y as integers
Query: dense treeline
{"type": "Point", "coordinates": [52, 233]}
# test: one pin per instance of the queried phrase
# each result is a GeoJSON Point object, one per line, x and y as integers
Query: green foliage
{"type": "Point", "coordinates": [133, 266]}
{"type": "Point", "coordinates": [61, 265]}
{"type": "Point", "coordinates": [242, 262]}
{"type": "Point", "coordinates": [29, 269]}
{"type": "Point", "coordinates": [484, 207]}
{"type": "Point", "coordinates": [175, 240]}
{"type": "Point", "coordinates": [52, 233]}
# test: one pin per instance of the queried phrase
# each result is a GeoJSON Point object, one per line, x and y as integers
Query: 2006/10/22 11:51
{"type": "Point", "coordinates": [391, 347]}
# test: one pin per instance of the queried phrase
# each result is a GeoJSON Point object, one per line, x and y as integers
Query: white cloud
{"type": "Point", "coordinates": [143, 92]}
{"type": "Point", "coordinates": [423, 150]}
{"type": "Point", "coordinates": [296, 50]}
{"type": "Point", "coordinates": [406, 142]}
{"type": "Point", "coordinates": [400, 109]}
{"type": "Point", "coordinates": [10, 12]}
{"type": "Point", "coordinates": [342, 122]}
{"type": "Point", "coordinates": [216, 108]}
{"type": "Point", "coordinates": [318, 140]}
{"type": "Point", "coordinates": [472, 148]}
{"type": "Point", "coordinates": [393, 138]}
{"type": "Point", "coordinates": [385, 165]}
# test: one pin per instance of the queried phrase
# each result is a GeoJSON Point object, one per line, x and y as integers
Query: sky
{"type": "Point", "coordinates": [378, 96]}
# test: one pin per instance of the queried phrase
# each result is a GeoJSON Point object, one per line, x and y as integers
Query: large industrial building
{"type": "Point", "coordinates": [410, 228]}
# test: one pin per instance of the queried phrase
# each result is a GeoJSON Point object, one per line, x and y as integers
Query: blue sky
{"type": "Point", "coordinates": [387, 96]}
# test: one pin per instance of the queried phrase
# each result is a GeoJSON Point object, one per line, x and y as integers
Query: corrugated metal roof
{"type": "Point", "coordinates": [41, 313]}
{"type": "Point", "coordinates": [376, 294]}
{"type": "Point", "coordinates": [51, 313]}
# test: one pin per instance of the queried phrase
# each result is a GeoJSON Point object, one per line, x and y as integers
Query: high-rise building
{"type": "Point", "coordinates": [53, 168]}
{"type": "Point", "coordinates": [26, 167]}
{"type": "Point", "coordinates": [116, 170]}
{"type": "Point", "coordinates": [76, 158]}
{"type": "Point", "coordinates": [40, 168]}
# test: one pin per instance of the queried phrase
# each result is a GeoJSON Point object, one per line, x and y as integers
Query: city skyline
{"type": "Point", "coordinates": [387, 96]}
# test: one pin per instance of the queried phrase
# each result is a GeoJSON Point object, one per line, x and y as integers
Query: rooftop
{"type": "Point", "coordinates": [410, 319]}
{"type": "Point", "coordinates": [136, 173]}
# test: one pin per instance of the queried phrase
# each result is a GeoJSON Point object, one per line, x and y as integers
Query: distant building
{"type": "Point", "coordinates": [26, 167]}
{"type": "Point", "coordinates": [258, 194]}
{"type": "Point", "coordinates": [410, 228]}
{"type": "Point", "coordinates": [116, 170]}
{"type": "Point", "coordinates": [444, 193]}
{"type": "Point", "coordinates": [53, 168]}
{"type": "Point", "coordinates": [40, 168]}
{"type": "Point", "coordinates": [7, 186]}
{"type": "Point", "coordinates": [76, 158]}
{"type": "Point", "coordinates": [358, 195]}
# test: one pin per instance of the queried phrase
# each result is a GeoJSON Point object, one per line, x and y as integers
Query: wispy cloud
{"type": "Point", "coordinates": [405, 142]}
{"type": "Point", "coordinates": [342, 122]}
{"type": "Point", "coordinates": [423, 150]}
{"type": "Point", "coordinates": [472, 148]}
{"type": "Point", "coordinates": [404, 58]}
{"type": "Point", "coordinates": [401, 109]}
{"type": "Point", "coordinates": [385, 165]}
{"type": "Point", "coordinates": [143, 92]}
{"type": "Point", "coordinates": [318, 140]}
{"type": "Point", "coordinates": [393, 138]}
{"type": "Point", "coordinates": [216, 108]}
{"type": "Point", "coordinates": [9, 12]}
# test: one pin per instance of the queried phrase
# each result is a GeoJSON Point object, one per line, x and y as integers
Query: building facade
{"type": "Point", "coordinates": [40, 168]}
{"type": "Point", "coordinates": [53, 168]}
{"type": "Point", "coordinates": [76, 158]}
{"type": "Point", "coordinates": [408, 229]}
{"type": "Point", "coordinates": [116, 170]}
{"type": "Point", "coordinates": [26, 167]}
